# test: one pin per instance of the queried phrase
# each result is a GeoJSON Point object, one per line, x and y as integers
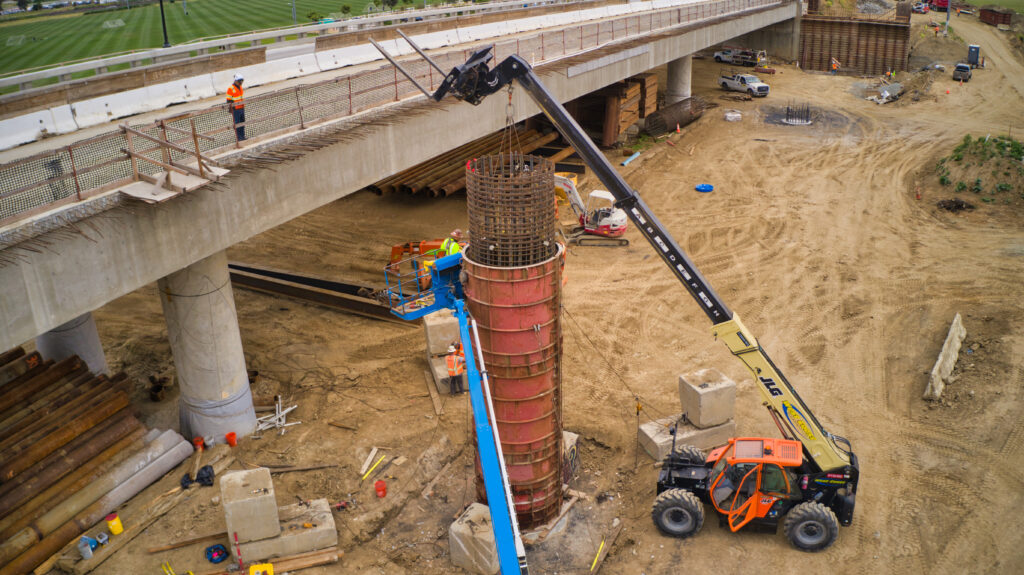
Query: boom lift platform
{"type": "Point", "coordinates": [809, 478]}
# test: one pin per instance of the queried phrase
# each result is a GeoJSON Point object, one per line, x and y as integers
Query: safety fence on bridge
{"type": "Point", "coordinates": [111, 160]}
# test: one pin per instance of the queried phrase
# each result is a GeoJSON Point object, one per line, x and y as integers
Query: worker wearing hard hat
{"type": "Point", "coordinates": [456, 361]}
{"type": "Point", "coordinates": [236, 103]}
{"type": "Point", "coordinates": [450, 245]}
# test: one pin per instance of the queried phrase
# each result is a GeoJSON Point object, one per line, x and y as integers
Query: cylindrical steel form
{"type": "Point", "coordinates": [511, 218]}
{"type": "Point", "coordinates": [514, 294]}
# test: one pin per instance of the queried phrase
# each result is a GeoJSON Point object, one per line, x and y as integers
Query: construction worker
{"type": "Point", "coordinates": [456, 361]}
{"type": "Point", "coordinates": [450, 245]}
{"type": "Point", "coordinates": [835, 66]}
{"type": "Point", "coordinates": [236, 103]}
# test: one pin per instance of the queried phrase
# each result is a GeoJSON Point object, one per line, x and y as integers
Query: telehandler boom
{"type": "Point", "coordinates": [750, 480]}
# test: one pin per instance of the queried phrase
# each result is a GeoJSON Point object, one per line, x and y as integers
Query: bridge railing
{"type": "Point", "coordinates": [102, 163]}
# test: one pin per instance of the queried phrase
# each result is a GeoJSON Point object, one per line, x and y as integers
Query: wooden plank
{"type": "Point", "coordinates": [369, 460]}
{"type": "Point", "coordinates": [306, 468]}
{"type": "Point", "coordinates": [435, 398]}
{"type": "Point", "coordinates": [606, 545]}
{"type": "Point", "coordinates": [164, 143]}
{"type": "Point", "coordinates": [293, 562]}
{"type": "Point", "coordinates": [211, 538]}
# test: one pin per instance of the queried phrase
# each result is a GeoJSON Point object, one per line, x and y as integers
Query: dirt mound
{"type": "Point", "coordinates": [928, 49]}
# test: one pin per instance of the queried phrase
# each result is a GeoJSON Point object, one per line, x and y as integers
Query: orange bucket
{"type": "Point", "coordinates": [381, 488]}
{"type": "Point", "coordinates": [231, 438]}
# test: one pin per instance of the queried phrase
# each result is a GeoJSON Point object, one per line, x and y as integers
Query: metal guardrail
{"type": "Point", "coordinates": [101, 163]}
{"type": "Point", "coordinates": [24, 80]}
{"type": "Point", "coordinates": [891, 15]}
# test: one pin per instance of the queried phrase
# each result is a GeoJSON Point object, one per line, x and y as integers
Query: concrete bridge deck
{"type": "Point", "coordinates": [75, 258]}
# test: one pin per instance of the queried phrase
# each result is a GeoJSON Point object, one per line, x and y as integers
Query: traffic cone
{"type": "Point", "coordinates": [677, 128]}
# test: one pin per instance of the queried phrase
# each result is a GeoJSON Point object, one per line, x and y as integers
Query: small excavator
{"type": "Point", "coordinates": [600, 222]}
{"type": "Point", "coordinates": [807, 480]}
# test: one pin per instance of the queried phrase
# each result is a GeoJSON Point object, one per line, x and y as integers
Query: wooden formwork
{"type": "Point", "coordinates": [865, 48]}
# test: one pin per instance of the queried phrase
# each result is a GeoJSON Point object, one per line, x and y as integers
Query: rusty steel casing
{"type": "Point", "coordinates": [518, 317]}
{"type": "Point", "coordinates": [510, 199]}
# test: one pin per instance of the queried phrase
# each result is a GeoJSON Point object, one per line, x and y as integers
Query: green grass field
{"type": "Point", "coordinates": [45, 41]}
{"type": "Point", "coordinates": [1015, 5]}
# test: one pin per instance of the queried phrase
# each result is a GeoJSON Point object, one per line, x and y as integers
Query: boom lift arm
{"type": "Point", "coordinates": [474, 81]}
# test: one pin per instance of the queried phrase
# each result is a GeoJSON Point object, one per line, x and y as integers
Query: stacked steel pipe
{"type": "Point", "coordinates": [513, 289]}
{"type": "Point", "coordinates": [446, 174]}
{"type": "Point", "coordinates": [70, 451]}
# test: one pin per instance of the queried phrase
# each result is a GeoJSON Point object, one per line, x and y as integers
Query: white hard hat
{"type": "Point", "coordinates": [451, 348]}
{"type": "Point", "coordinates": [238, 77]}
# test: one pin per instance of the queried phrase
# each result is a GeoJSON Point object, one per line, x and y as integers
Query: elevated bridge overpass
{"type": "Point", "coordinates": [327, 136]}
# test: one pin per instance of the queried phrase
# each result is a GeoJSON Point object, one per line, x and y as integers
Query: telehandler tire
{"type": "Point", "coordinates": [688, 453]}
{"type": "Point", "coordinates": [811, 527]}
{"type": "Point", "coordinates": [678, 513]}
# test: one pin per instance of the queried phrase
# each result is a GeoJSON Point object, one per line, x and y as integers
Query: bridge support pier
{"type": "Point", "coordinates": [679, 77]}
{"type": "Point", "coordinates": [76, 337]}
{"type": "Point", "coordinates": [199, 309]}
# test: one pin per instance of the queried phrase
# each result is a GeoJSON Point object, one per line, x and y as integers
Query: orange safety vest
{"type": "Point", "coordinates": [235, 97]}
{"type": "Point", "coordinates": [456, 363]}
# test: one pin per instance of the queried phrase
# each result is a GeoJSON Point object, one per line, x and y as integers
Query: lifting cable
{"type": "Point", "coordinates": [640, 405]}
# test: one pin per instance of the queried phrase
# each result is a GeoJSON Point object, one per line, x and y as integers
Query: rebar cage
{"type": "Point", "coordinates": [511, 210]}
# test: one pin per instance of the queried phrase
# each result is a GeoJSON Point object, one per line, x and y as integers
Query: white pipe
{"type": "Point", "coordinates": [479, 357]}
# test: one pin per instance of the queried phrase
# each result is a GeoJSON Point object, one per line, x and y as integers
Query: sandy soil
{"type": "Point", "coordinates": [813, 235]}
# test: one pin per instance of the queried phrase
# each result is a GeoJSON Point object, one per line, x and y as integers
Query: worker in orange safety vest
{"type": "Point", "coordinates": [456, 361]}
{"type": "Point", "coordinates": [236, 103]}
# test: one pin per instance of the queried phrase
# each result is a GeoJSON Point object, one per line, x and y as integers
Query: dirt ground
{"type": "Point", "coordinates": [813, 235]}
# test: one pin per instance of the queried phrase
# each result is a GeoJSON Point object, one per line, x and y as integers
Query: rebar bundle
{"type": "Point", "coordinates": [510, 199]}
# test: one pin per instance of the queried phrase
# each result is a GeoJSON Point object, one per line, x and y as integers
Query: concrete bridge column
{"type": "Point", "coordinates": [679, 76]}
{"type": "Point", "coordinates": [76, 337]}
{"type": "Point", "coordinates": [199, 309]}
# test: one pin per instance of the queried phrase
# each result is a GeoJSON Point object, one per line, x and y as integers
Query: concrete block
{"type": "Point", "coordinates": [295, 538]}
{"type": "Point", "coordinates": [442, 330]}
{"type": "Point", "coordinates": [657, 441]}
{"type": "Point", "coordinates": [439, 369]}
{"type": "Point", "coordinates": [26, 128]}
{"type": "Point", "coordinates": [570, 455]}
{"type": "Point", "coordinates": [471, 541]}
{"type": "Point", "coordinates": [250, 508]}
{"type": "Point", "coordinates": [947, 359]}
{"type": "Point", "coordinates": [708, 397]}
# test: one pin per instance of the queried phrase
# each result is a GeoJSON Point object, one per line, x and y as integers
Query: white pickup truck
{"type": "Point", "coordinates": [748, 83]}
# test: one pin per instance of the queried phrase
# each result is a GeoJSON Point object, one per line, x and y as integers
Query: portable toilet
{"type": "Point", "coordinates": [973, 55]}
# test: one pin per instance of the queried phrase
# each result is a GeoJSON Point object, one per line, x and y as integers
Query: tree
{"type": "Point", "coordinates": [37, 5]}
{"type": "Point", "coordinates": [22, 4]}
{"type": "Point", "coordinates": [314, 16]}
{"type": "Point", "coordinates": [346, 9]}
{"type": "Point", "coordinates": [389, 3]}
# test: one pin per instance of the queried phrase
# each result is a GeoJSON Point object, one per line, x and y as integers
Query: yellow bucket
{"type": "Point", "coordinates": [114, 524]}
